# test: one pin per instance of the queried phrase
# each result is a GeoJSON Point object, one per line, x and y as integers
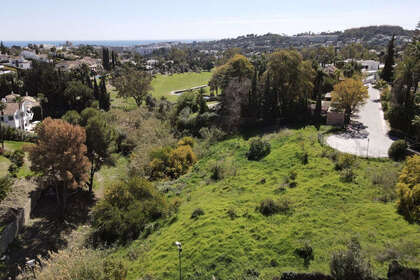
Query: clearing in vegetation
{"type": "Point", "coordinates": [317, 204]}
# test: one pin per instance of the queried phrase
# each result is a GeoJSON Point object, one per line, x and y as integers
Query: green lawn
{"type": "Point", "coordinates": [325, 212]}
{"type": "Point", "coordinates": [110, 174]}
{"type": "Point", "coordinates": [162, 86]}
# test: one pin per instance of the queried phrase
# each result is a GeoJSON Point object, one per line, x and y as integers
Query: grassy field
{"type": "Point", "coordinates": [163, 85]}
{"type": "Point", "coordinates": [232, 239]}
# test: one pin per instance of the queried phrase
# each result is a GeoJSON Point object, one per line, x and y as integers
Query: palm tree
{"type": "Point", "coordinates": [3, 106]}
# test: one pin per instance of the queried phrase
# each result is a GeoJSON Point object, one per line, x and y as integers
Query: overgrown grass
{"type": "Point", "coordinates": [234, 238]}
{"type": "Point", "coordinates": [5, 163]}
{"type": "Point", "coordinates": [162, 86]}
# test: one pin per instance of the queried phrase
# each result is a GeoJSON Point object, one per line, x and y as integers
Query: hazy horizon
{"type": "Point", "coordinates": [186, 20]}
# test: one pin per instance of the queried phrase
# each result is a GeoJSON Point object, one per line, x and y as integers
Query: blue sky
{"type": "Point", "coordinates": [193, 19]}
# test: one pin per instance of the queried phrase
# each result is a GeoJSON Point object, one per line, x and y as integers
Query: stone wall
{"type": "Point", "coordinates": [15, 211]}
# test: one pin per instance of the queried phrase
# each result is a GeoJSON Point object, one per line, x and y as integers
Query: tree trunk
{"type": "Point", "coordinates": [63, 209]}
{"type": "Point", "coordinates": [57, 194]}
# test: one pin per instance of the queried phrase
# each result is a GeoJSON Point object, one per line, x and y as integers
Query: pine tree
{"type": "Point", "coordinates": [317, 92]}
{"type": "Point", "coordinates": [388, 71]}
{"type": "Point", "coordinates": [269, 104]}
{"type": "Point", "coordinates": [104, 99]}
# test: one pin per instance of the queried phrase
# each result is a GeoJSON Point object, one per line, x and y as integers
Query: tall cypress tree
{"type": "Point", "coordinates": [95, 89]}
{"type": "Point", "coordinates": [104, 98]}
{"type": "Point", "coordinates": [105, 58]}
{"type": "Point", "coordinates": [113, 59]}
{"type": "Point", "coordinates": [388, 71]}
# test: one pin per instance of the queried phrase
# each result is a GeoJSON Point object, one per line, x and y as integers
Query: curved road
{"type": "Point", "coordinates": [368, 133]}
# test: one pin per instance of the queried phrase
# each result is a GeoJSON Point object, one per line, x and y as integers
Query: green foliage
{"type": "Point", "coordinates": [345, 161]}
{"type": "Point", "coordinates": [80, 264]}
{"type": "Point", "coordinates": [5, 186]}
{"type": "Point", "coordinates": [270, 207]}
{"type": "Point", "coordinates": [347, 175]}
{"type": "Point", "coordinates": [72, 117]}
{"type": "Point", "coordinates": [13, 170]}
{"type": "Point", "coordinates": [126, 210]}
{"type": "Point", "coordinates": [306, 253]}
{"type": "Point", "coordinates": [77, 96]}
{"type": "Point", "coordinates": [197, 213]}
{"type": "Point", "coordinates": [408, 189]}
{"type": "Point", "coordinates": [169, 163]}
{"type": "Point", "coordinates": [258, 149]}
{"type": "Point", "coordinates": [350, 264]}
{"type": "Point", "coordinates": [399, 117]}
{"type": "Point", "coordinates": [17, 158]}
{"type": "Point", "coordinates": [398, 150]}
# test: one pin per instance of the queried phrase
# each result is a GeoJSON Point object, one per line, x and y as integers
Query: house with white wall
{"type": "Point", "coordinates": [18, 115]}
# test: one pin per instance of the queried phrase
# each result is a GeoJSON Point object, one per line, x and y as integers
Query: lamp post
{"type": "Point", "coordinates": [367, 151]}
{"type": "Point", "coordinates": [179, 245]}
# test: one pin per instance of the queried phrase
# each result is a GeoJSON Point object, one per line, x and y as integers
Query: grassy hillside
{"type": "Point", "coordinates": [163, 85]}
{"type": "Point", "coordinates": [232, 239]}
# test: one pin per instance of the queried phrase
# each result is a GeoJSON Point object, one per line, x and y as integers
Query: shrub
{"type": "Point", "coordinates": [80, 264]}
{"type": "Point", "coordinates": [126, 209]}
{"type": "Point", "coordinates": [344, 161]}
{"type": "Point", "coordinates": [398, 150]}
{"type": "Point", "coordinates": [408, 189]}
{"type": "Point", "coordinates": [292, 174]}
{"type": "Point", "coordinates": [17, 157]}
{"type": "Point", "coordinates": [349, 264]}
{"type": "Point", "coordinates": [13, 170]}
{"type": "Point", "coordinates": [399, 118]}
{"type": "Point", "coordinates": [186, 141]}
{"type": "Point", "coordinates": [258, 149]}
{"type": "Point", "coordinates": [306, 253]}
{"type": "Point", "coordinates": [5, 186]}
{"type": "Point", "coordinates": [168, 163]}
{"type": "Point", "coordinates": [270, 207]}
{"type": "Point", "coordinates": [347, 175]}
{"type": "Point", "coordinates": [197, 213]}
{"type": "Point", "coordinates": [217, 172]}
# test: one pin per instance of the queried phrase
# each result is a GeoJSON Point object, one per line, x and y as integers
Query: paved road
{"type": "Point", "coordinates": [368, 134]}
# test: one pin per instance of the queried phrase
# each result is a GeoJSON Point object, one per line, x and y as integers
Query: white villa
{"type": "Point", "coordinates": [18, 115]}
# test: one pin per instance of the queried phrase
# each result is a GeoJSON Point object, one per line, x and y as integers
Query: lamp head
{"type": "Point", "coordinates": [179, 245]}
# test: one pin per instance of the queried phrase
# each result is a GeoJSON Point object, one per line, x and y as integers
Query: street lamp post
{"type": "Point", "coordinates": [367, 151]}
{"type": "Point", "coordinates": [179, 245]}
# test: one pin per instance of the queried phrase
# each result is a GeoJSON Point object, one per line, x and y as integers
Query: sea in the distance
{"type": "Point", "coordinates": [106, 43]}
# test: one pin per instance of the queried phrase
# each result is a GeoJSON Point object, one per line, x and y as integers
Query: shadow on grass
{"type": "Point", "coordinates": [47, 231]}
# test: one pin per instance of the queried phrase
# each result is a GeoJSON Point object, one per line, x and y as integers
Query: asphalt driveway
{"type": "Point", "coordinates": [368, 133]}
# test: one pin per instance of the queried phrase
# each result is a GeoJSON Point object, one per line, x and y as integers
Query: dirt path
{"type": "Point", "coordinates": [368, 133]}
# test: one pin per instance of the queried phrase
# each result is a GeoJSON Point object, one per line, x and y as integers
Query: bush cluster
{"type": "Point", "coordinates": [78, 263]}
{"type": "Point", "coordinates": [350, 264]}
{"type": "Point", "coordinates": [5, 186]}
{"type": "Point", "coordinates": [13, 134]}
{"type": "Point", "coordinates": [126, 210]}
{"type": "Point", "coordinates": [258, 149]}
{"type": "Point", "coordinates": [270, 207]}
{"type": "Point", "coordinates": [169, 163]}
{"type": "Point", "coordinates": [344, 161]}
{"type": "Point", "coordinates": [408, 189]}
{"type": "Point", "coordinates": [398, 150]}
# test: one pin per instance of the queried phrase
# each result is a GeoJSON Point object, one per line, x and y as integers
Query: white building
{"type": "Point", "coordinates": [369, 65]}
{"type": "Point", "coordinates": [18, 114]}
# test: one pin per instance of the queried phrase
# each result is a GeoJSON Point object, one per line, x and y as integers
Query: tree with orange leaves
{"type": "Point", "coordinates": [60, 155]}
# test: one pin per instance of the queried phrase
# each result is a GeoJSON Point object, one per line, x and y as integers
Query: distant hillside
{"type": "Point", "coordinates": [369, 32]}
{"type": "Point", "coordinates": [370, 36]}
